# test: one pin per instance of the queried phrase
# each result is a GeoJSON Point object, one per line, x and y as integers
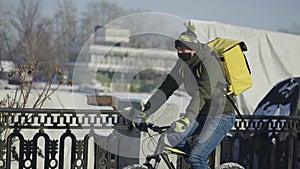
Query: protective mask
{"type": "Point", "coordinates": [185, 56]}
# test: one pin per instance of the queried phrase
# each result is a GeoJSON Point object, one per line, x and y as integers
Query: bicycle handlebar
{"type": "Point", "coordinates": [158, 129]}
{"type": "Point", "coordinates": [145, 126]}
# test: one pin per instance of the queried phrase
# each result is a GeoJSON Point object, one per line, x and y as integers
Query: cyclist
{"type": "Point", "coordinates": [209, 115]}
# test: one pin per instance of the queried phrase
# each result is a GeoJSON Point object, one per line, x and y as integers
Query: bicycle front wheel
{"type": "Point", "coordinates": [230, 165]}
{"type": "Point", "coordinates": [135, 166]}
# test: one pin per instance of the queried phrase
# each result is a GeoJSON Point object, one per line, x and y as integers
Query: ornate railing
{"type": "Point", "coordinates": [263, 142]}
{"type": "Point", "coordinates": [65, 138]}
{"type": "Point", "coordinates": [55, 138]}
{"type": "Point", "coordinates": [260, 142]}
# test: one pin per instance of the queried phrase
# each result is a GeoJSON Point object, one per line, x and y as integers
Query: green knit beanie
{"type": "Point", "coordinates": [187, 39]}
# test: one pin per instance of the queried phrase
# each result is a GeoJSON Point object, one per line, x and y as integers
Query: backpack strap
{"type": "Point", "coordinates": [235, 107]}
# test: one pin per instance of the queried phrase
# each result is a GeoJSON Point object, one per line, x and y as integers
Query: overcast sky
{"type": "Point", "coordinates": [261, 14]}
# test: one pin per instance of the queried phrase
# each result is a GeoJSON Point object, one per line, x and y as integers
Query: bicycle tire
{"type": "Point", "coordinates": [135, 166]}
{"type": "Point", "coordinates": [230, 165]}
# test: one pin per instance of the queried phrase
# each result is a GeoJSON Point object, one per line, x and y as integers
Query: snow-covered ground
{"type": "Point", "coordinates": [75, 97]}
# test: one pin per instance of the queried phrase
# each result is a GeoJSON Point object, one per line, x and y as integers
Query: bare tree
{"type": "Point", "coordinates": [104, 12]}
{"type": "Point", "coordinates": [65, 29]}
{"type": "Point", "coordinates": [99, 14]}
{"type": "Point", "coordinates": [33, 43]}
{"type": "Point", "coordinates": [5, 35]}
{"type": "Point", "coordinates": [24, 20]}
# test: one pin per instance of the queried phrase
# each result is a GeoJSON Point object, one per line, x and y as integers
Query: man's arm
{"type": "Point", "coordinates": [166, 89]}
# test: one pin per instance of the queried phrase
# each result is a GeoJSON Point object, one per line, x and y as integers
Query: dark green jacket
{"type": "Point", "coordinates": [203, 80]}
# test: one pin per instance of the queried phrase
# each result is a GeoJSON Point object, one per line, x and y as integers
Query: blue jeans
{"type": "Point", "coordinates": [209, 132]}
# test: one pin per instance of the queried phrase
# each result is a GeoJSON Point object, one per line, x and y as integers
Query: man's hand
{"type": "Point", "coordinates": [143, 115]}
{"type": "Point", "coordinates": [140, 121]}
{"type": "Point", "coordinates": [180, 125]}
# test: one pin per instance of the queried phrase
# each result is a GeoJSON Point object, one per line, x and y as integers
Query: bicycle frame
{"type": "Point", "coordinates": [157, 158]}
{"type": "Point", "coordinates": [162, 154]}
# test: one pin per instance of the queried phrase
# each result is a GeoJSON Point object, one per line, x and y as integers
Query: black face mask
{"type": "Point", "coordinates": [185, 56]}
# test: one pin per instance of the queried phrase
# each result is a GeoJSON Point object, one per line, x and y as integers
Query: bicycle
{"type": "Point", "coordinates": [164, 152]}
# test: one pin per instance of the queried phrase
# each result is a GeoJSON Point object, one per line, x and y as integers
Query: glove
{"type": "Point", "coordinates": [141, 118]}
{"type": "Point", "coordinates": [143, 115]}
{"type": "Point", "coordinates": [181, 124]}
{"type": "Point", "coordinates": [140, 121]}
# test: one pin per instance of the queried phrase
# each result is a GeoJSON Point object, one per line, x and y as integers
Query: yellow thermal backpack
{"type": "Point", "coordinates": [234, 63]}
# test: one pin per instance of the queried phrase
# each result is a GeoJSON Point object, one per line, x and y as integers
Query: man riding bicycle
{"type": "Point", "coordinates": [209, 114]}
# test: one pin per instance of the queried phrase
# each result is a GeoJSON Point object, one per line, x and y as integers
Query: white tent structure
{"type": "Point", "coordinates": [272, 56]}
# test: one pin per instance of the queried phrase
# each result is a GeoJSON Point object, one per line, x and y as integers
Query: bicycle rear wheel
{"type": "Point", "coordinates": [135, 166]}
{"type": "Point", "coordinates": [230, 165]}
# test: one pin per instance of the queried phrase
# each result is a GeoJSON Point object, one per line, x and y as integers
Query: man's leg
{"type": "Point", "coordinates": [213, 132]}
{"type": "Point", "coordinates": [179, 140]}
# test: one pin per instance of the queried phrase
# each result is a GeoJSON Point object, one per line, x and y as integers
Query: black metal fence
{"type": "Point", "coordinates": [56, 138]}
{"type": "Point", "coordinates": [260, 142]}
